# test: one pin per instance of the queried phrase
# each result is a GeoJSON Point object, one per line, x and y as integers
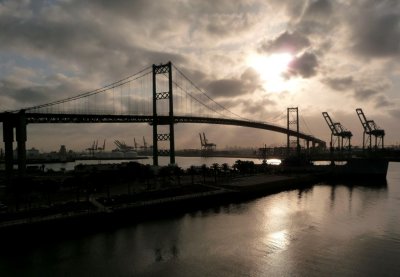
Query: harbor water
{"type": "Point", "coordinates": [342, 229]}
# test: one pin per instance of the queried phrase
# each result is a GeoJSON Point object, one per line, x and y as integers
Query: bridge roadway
{"type": "Point", "coordinates": [98, 118]}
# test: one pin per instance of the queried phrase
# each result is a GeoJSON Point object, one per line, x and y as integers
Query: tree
{"type": "Point", "coordinates": [204, 170]}
{"type": "Point", "coordinates": [177, 171]}
{"type": "Point", "coordinates": [225, 168]}
{"type": "Point", "coordinates": [192, 171]}
{"type": "Point", "coordinates": [215, 167]}
{"type": "Point", "coordinates": [165, 173]}
{"type": "Point", "coordinates": [148, 174]}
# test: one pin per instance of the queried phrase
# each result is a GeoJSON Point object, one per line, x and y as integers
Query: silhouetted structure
{"type": "Point", "coordinates": [163, 95]}
{"type": "Point", "coordinates": [130, 100]}
{"type": "Point", "coordinates": [339, 131]}
{"type": "Point", "coordinates": [205, 145]}
{"type": "Point", "coordinates": [371, 129]}
{"type": "Point", "coordinates": [293, 124]}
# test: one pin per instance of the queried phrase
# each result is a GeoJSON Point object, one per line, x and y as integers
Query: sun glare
{"type": "Point", "coordinates": [271, 69]}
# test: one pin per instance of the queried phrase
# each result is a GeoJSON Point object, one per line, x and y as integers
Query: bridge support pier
{"type": "Point", "coordinates": [21, 143]}
{"type": "Point", "coordinates": [17, 121]}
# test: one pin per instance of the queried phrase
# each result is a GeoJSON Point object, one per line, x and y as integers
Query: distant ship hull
{"type": "Point", "coordinates": [361, 168]}
{"type": "Point", "coordinates": [114, 155]}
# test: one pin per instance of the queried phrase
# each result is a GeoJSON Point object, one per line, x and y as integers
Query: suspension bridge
{"type": "Point", "coordinates": [159, 95]}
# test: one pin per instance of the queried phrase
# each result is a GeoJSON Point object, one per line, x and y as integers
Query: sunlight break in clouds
{"type": "Point", "coordinates": [272, 70]}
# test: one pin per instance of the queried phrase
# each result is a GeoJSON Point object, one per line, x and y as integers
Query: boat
{"type": "Point", "coordinates": [347, 168]}
{"type": "Point", "coordinates": [360, 168]}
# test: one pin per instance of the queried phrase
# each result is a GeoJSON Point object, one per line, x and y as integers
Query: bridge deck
{"type": "Point", "coordinates": [37, 118]}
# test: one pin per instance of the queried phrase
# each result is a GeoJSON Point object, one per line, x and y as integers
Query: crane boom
{"type": "Point", "coordinates": [204, 138]}
{"type": "Point", "coordinates": [330, 123]}
{"type": "Point", "coordinates": [144, 143]}
{"type": "Point", "coordinates": [338, 130]}
{"type": "Point", "coordinates": [370, 129]}
{"type": "Point", "coordinates": [364, 121]}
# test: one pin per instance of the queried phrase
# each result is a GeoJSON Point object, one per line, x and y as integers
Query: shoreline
{"type": "Point", "coordinates": [239, 190]}
{"type": "Point", "coordinates": [125, 209]}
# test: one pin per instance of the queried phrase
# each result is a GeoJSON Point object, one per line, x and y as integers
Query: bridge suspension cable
{"type": "Point", "coordinates": [305, 124]}
{"type": "Point", "coordinates": [277, 118]}
{"type": "Point", "coordinates": [207, 97]}
{"type": "Point", "coordinates": [113, 85]}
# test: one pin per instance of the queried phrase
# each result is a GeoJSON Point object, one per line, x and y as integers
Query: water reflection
{"type": "Point", "coordinates": [233, 208]}
{"type": "Point", "coordinates": [161, 254]}
{"type": "Point", "coordinates": [277, 241]}
{"type": "Point", "coordinates": [158, 255]}
{"type": "Point", "coordinates": [302, 191]}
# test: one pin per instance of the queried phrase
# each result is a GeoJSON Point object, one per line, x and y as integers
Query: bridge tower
{"type": "Point", "coordinates": [159, 96]}
{"type": "Point", "coordinates": [293, 125]}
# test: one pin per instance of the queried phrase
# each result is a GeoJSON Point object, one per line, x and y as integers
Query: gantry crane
{"type": "Point", "coordinates": [102, 148]}
{"type": "Point", "coordinates": [123, 147]}
{"type": "Point", "coordinates": [205, 145]}
{"type": "Point", "coordinates": [95, 147]}
{"type": "Point", "coordinates": [370, 129]}
{"type": "Point", "coordinates": [338, 130]}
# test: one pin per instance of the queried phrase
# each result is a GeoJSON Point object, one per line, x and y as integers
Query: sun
{"type": "Point", "coordinates": [271, 70]}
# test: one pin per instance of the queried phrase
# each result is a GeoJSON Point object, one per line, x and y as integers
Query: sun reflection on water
{"type": "Point", "coordinates": [279, 240]}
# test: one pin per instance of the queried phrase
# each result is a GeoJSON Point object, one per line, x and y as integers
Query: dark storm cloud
{"type": "Point", "coordinates": [217, 18]}
{"type": "Point", "coordinates": [23, 95]}
{"type": "Point", "coordinates": [314, 16]}
{"type": "Point", "coordinates": [70, 37]}
{"type": "Point", "coordinates": [106, 40]}
{"type": "Point", "coordinates": [24, 92]}
{"type": "Point", "coordinates": [376, 29]}
{"type": "Point", "coordinates": [71, 43]}
{"type": "Point", "coordinates": [362, 90]}
{"type": "Point", "coordinates": [395, 113]}
{"type": "Point", "coordinates": [371, 90]}
{"type": "Point", "coordinates": [248, 82]}
{"type": "Point", "coordinates": [129, 9]}
{"type": "Point", "coordinates": [304, 66]}
{"type": "Point", "coordinates": [260, 108]}
{"type": "Point", "coordinates": [381, 101]}
{"type": "Point", "coordinates": [226, 88]}
{"type": "Point", "coordinates": [340, 83]}
{"type": "Point", "coordinates": [286, 42]}
{"type": "Point", "coordinates": [88, 45]}
{"type": "Point", "coordinates": [88, 32]}
{"type": "Point", "coordinates": [319, 9]}
{"type": "Point", "coordinates": [365, 93]}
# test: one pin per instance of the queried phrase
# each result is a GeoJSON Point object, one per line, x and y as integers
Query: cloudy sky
{"type": "Point", "coordinates": [256, 57]}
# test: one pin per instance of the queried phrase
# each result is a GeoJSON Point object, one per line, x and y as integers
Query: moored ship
{"type": "Point", "coordinates": [361, 168]}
